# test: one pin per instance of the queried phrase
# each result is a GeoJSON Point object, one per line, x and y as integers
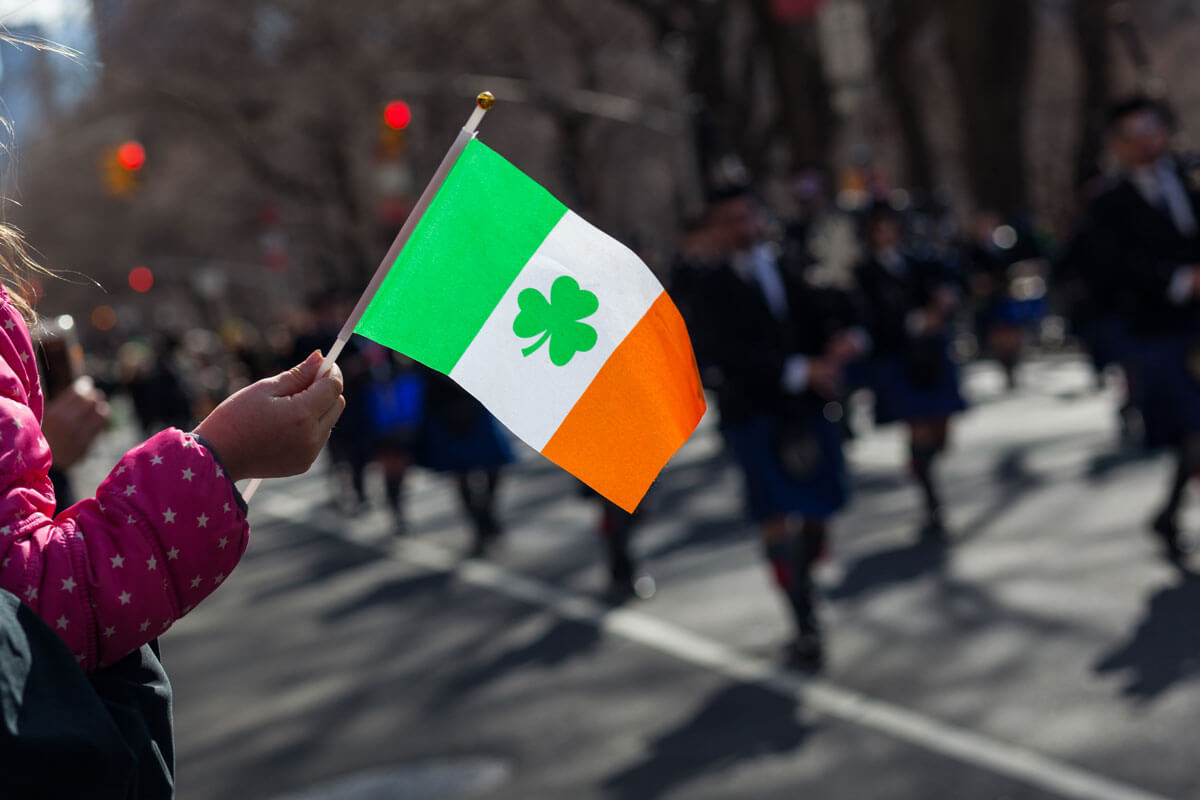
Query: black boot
{"type": "Point", "coordinates": [806, 651]}
{"type": "Point", "coordinates": [616, 525]}
{"type": "Point", "coordinates": [1165, 524]}
{"type": "Point", "coordinates": [922, 468]}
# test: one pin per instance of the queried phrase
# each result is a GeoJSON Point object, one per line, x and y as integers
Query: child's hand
{"type": "Point", "coordinates": [72, 420]}
{"type": "Point", "coordinates": [277, 426]}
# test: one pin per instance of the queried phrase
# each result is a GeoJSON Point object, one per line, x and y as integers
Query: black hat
{"type": "Point", "coordinates": [1137, 104]}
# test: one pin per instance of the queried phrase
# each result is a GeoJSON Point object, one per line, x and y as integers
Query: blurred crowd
{"type": "Point", "coordinates": [854, 289]}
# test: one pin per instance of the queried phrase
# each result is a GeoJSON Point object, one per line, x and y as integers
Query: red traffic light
{"type": "Point", "coordinates": [397, 115]}
{"type": "Point", "coordinates": [141, 279]}
{"type": "Point", "coordinates": [131, 155]}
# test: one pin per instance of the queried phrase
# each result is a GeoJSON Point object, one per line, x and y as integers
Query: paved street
{"type": "Point", "coordinates": [1047, 652]}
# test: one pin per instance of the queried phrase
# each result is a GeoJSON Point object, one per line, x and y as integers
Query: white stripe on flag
{"type": "Point", "coordinates": [530, 394]}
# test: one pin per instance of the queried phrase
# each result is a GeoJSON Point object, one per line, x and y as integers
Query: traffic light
{"type": "Point", "coordinates": [131, 156]}
{"type": "Point", "coordinates": [395, 119]}
{"type": "Point", "coordinates": [141, 279]}
{"type": "Point", "coordinates": [120, 167]}
{"type": "Point", "coordinates": [397, 115]}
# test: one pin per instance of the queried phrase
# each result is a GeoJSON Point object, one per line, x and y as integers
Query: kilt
{"type": "Point", "coordinates": [1164, 388]}
{"type": "Point", "coordinates": [770, 491]}
{"type": "Point", "coordinates": [900, 396]}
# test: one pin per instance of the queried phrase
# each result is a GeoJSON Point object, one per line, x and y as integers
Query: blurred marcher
{"type": "Point", "coordinates": [616, 531]}
{"type": "Point", "coordinates": [458, 435]}
{"type": "Point", "coordinates": [350, 445]}
{"type": "Point", "coordinates": [819, 238]}
{"type": "Point", "coordinates": [159, 398]}
{"type": "Point", "coordinates": [773, 348]}
{"type": "Point", "coordinates": [1146, 231]}
{"type": "Point", "coordinates": [1090, 299]}
{"type": "Point", "coordinates": [615, 528]}
{"type": "Point", "coordinates": [908, 305]}
{"type": "Point", "coordinates": [1008, 282]}
{"type": "Point", "coordinates": [396, 404]}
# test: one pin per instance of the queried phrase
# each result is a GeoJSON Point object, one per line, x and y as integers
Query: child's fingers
{"type": "Point", "coordinates": [327, 420]}
{"type": "Point", "coordinates": [298, 378]}
{"type": "Point", "coordinates": [322, 395]}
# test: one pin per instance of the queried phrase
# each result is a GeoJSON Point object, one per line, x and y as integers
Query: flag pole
{"type": "Point", "coordinates": [483, 103]}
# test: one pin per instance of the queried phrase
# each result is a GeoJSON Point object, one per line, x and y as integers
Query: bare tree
{"type": "Point", "coordinates": [1090, 20]}
{"type": "Point", "coordinates": [802, 93]}
{"type": "Point", "coordinates": [897, 25]}
{"type": "Point", "coordinates": [988, 46]}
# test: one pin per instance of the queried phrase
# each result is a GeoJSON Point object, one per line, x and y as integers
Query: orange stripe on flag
{"type": "Point", "coordinates": [642, 405]}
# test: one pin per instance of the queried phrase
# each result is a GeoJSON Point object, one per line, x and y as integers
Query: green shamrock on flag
{"type": "Point", "coordinates": [557, 319]}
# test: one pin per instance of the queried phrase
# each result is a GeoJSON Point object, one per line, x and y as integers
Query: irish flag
{"type": "Point", "coordinates": [559, 330]}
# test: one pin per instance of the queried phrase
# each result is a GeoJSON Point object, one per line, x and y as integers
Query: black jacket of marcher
{"type": "Point", "coordinates": [741, 347]}
{"type": "Point", "coordinates": [1138, 249]}
{"type": "Point", "coordinates": [886, 299]}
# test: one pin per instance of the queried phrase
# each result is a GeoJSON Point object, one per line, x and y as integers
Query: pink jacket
{"type": "Point", "coordinates": [111, 572]}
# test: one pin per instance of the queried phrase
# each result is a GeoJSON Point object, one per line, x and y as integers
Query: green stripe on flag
{"type": "Point", "coordinates": [481, 228]}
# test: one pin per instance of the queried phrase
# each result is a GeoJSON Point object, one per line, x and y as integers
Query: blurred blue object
{"type": "Point", "coordinates": [396, 403]}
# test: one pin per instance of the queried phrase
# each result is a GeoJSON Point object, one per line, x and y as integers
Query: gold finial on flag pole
{"type": "Point", "coordinates": [483, 104]}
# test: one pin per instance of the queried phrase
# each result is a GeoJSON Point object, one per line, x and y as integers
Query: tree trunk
{"type": "Point", "coordinates": [902, 22]}
{"type": "Point", "coordinates": [989, 46]}
{"type": "Point", "coordinates": [1090, 20]}
{"type": "Point", "coordinates": [800, 86]}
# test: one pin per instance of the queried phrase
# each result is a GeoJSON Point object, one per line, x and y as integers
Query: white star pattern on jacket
{"type": "Point", "coordinates": [102, 614]}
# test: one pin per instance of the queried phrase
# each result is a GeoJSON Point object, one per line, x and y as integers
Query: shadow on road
{"type": "Point", "coordinates": [704, 533]}
{"type": "Point", "coordinates": [1013, 479]}
{"type": "Point", "coordinates": [736, 723]}
{"type": "Point", "coordinates": [1164, 649]}
{"type": "Point", "coordinates": [563, 641]}
{"type": "Point", "coordinates": [331, 563]}
{"type": "Point", "coordinates": [427, 586]}
{"type": "Point", "coordinates": [892, 566]}
{"type": "Point", "coordinates": [1102, 464]}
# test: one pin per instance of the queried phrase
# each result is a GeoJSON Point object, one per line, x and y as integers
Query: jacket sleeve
{"type": "Point", "coordinates": [114, 571]}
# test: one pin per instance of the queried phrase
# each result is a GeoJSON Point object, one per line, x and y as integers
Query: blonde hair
{"type": "Point", "coordinates": [17, 268]}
